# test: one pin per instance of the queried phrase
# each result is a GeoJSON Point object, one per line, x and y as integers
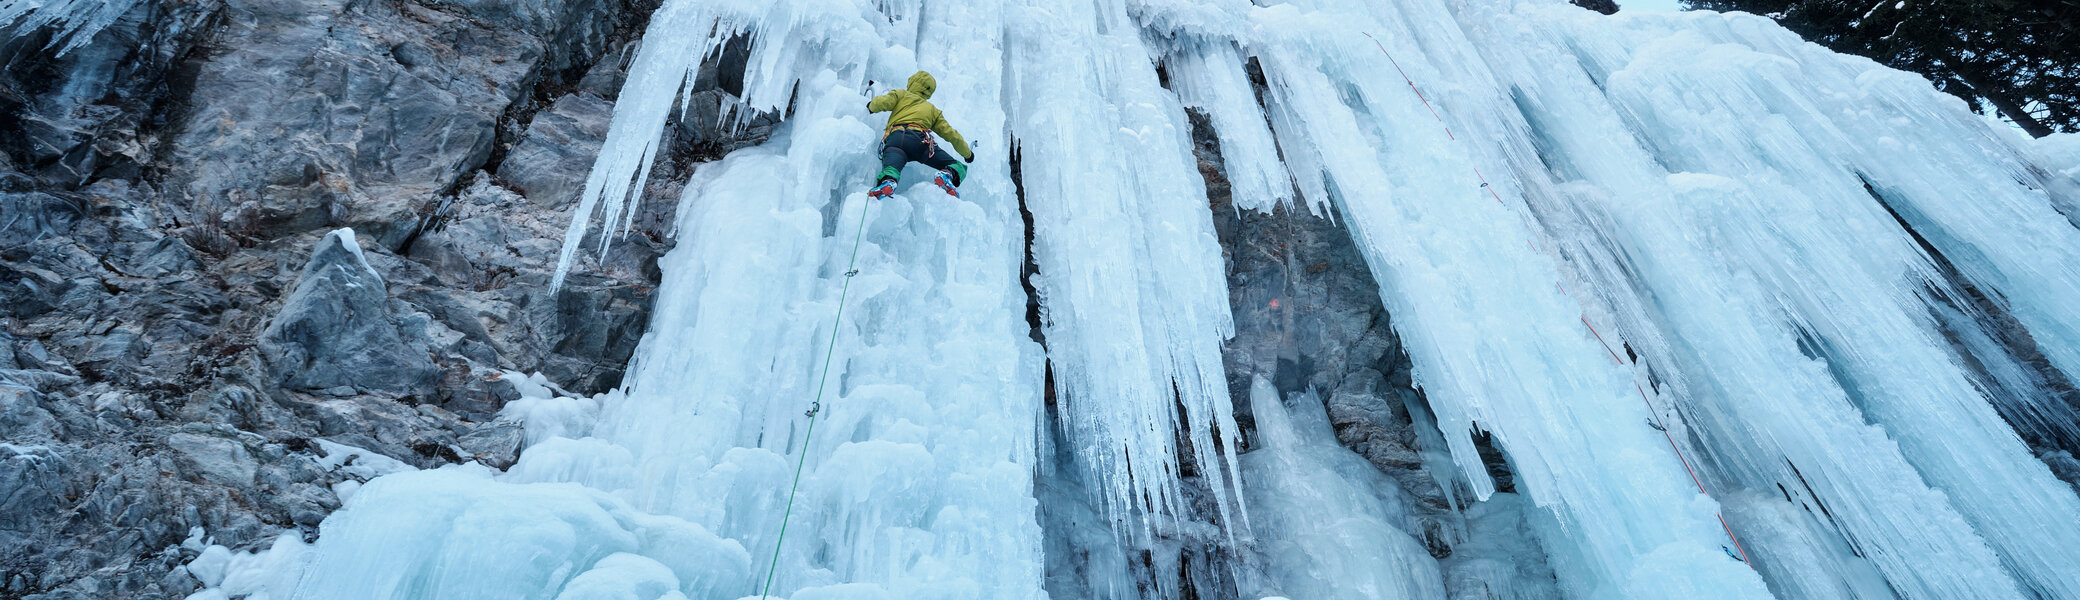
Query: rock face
{"type": "Point", "coordinates": [94, 112]}
{"type": "Point", "coordinates": [562, 140]}
{"type": "Point", "coordinates": [336, 331]}
{"type": "Point", "coordinates": [334, 112]}
{"type": "Point", "coordinates": [185, 326]}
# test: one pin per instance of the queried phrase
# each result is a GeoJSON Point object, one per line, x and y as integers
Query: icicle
{"type": "Point", "coordinates": [1209, 77]}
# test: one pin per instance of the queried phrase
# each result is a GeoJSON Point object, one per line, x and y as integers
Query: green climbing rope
{"type": "Point", "coordinates": [816, 406]}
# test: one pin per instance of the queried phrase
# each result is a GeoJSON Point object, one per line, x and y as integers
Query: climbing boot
{"type": "Point", "coordinates": [883, 189]}
{"type": "Point", "coordinates": [945, 181]}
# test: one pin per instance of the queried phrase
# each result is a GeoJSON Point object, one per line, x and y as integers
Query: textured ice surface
{"type": "Point", "coordinates": [1334, 526]}
{"type": "Point", "coordinates": [2061, 154]}
{"type": "Point", "coordinates": [1832, 286]}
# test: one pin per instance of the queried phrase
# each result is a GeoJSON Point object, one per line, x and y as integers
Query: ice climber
{"type": "Point", "coordinates": [908, 138]}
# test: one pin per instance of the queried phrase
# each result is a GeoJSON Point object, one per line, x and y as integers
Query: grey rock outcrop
{"type": "Point", "coordinates": [217, 459]}
{"type": "Point", "coordinates": [33, 215]}
{"type": "Point", "coordinates": [1372, 420]}
{"type": "Point", "coordinates": [335, 329]}
{"type": "Point", "coordinates": [33, 481]}
{"type": "Point", "coordinates": [496, 444]}
{"type": "Point", "coordinates": [22, 415]}
{"type": "Point", "coordinates": [333, 112]}
{"type": "Point", "coordinates": [561, 140]}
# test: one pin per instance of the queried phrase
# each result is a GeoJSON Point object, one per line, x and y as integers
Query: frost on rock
{"type": "Point", "coordinates": [1742, 318]}
{"type": "Point", "coordinates": [73, 22]}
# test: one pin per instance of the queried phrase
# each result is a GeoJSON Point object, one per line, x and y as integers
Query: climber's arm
{"type": "Point", "coordinates": [882, 103]}
{"type": "Point", "coordinates": [946, 132]}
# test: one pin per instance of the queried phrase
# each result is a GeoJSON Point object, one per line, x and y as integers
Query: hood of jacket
{"type": "Point", "coordinates": [923, 84]}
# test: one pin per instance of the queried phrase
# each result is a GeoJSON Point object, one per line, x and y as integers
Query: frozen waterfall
{"type": "Point", "coordinates": [1637, 254]}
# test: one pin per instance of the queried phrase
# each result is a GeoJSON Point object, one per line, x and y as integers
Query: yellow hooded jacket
{"type": "Point", "coordinates": [913, 107]}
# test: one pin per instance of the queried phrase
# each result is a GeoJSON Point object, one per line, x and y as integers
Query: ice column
{"type": "Point", "coordinates": [1131, 271]}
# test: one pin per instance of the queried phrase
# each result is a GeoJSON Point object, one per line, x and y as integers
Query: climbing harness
{"type": "Point", "coordinates": [1657, 424]}
{"type": "Point", "coordinates": [816, 406]}
{"type": "Point", "coordinates": [906, 127]}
